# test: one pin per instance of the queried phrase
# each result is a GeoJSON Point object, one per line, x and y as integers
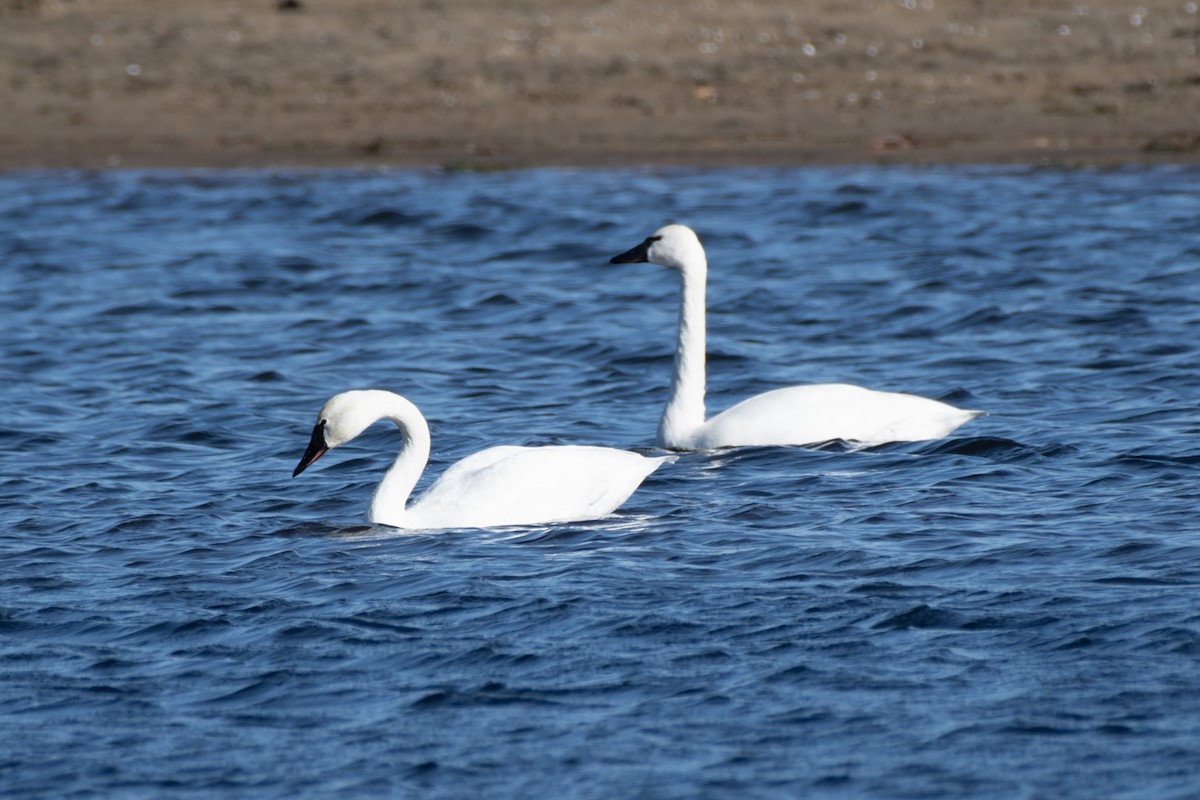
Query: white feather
{"type": "Point", "coordinates": [792, 416]}
{"type": "Point", "coordinates": [494, 487]}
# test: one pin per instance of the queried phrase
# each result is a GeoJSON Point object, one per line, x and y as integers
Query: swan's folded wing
{"type": "Point", "coordinates": [822, 412]}
{"type": "Point", "coordinates": [531, 485]}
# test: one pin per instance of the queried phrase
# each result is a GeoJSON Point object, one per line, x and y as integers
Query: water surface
{"type": "Point", "coordinates": [1010, 612]}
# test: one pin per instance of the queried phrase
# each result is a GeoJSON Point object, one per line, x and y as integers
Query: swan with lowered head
{"type": "Point", "coordinates": [791, 416]}
{"type": "Point", "coordinates": [494, 487]}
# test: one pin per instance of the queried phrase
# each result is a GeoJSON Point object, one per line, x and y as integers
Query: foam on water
{"type": "Point", "coordinates": [1009, 612]}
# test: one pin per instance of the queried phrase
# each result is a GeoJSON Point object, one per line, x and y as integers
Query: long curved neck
{"type": "Point", "coordinates": [684, 413]}
{"type": "Point", "coordinates": [387, 507]}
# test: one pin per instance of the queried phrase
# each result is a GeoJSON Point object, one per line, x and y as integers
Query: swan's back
{"type": "Point", "coordinates": [799, 415]}
{"type": "Point", "coordinates": [530, 485]}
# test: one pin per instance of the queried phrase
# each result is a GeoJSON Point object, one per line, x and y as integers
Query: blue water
{"type": "Point", "coordinates": [1010, 612]}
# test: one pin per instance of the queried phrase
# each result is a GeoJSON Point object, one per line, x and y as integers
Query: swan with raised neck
{"type": "Point", "coordinates": [498, 486]}
{"type": "Point", "coordinates": [795, 415]}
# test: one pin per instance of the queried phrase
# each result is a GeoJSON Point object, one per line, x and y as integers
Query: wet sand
{"type": "Point", "coordinates": [263, 83]}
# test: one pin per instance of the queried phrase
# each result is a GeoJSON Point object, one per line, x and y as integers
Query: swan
{"type": "Point", "coordinates": [494, 487]}
{"type": "Point", "coordinates": [795, 415]}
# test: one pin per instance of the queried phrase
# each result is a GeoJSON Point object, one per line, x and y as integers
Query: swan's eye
{"type": "Point", "coordinates": [653, 239]}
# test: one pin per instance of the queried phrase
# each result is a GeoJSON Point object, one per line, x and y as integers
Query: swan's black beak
{"type": "Point", "coordinates": [638, 255]}
{"type": "Point", "coordinates": [316, 449]}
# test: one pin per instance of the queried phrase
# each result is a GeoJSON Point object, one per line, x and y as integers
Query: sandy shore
{"type": "Point", "coordinates": [96, 83]}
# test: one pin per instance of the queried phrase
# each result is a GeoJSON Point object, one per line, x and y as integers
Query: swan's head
{"type": "Point", "coordinates": [344, 417]}
{"type": "Point", "coordinates": [675, 246]}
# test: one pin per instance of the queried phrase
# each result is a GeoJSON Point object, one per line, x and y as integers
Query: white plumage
{"type": "Point", "coordinates": [494, 487]}
{"type": "Point", "coordinates": [792, 416]}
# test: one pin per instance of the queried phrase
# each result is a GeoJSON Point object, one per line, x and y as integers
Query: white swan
{"type": "Point", "coordinates": [494, 487]}
{"type": "Point", "coordinates": [792, 416]}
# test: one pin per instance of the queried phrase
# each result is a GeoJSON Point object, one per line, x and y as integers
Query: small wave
{"type": "Point", "coordinates": [921, 616]}
{"type": "Point", "coordinates": [463, 232]}
{"type": "Point", "coordinates": [388, 218]}
{"type": "Point", "coordinates": [489, 694]}
{"type": "Point", "coordinates": [994, 448]}
{"type": "Point", "coordinates": [1152, 461]}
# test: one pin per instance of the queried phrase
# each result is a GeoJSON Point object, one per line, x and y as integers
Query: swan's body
{"type": "Point", "coordinates": [494, 487]}
{"type": "Point", "coordinates": [795, 415]}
